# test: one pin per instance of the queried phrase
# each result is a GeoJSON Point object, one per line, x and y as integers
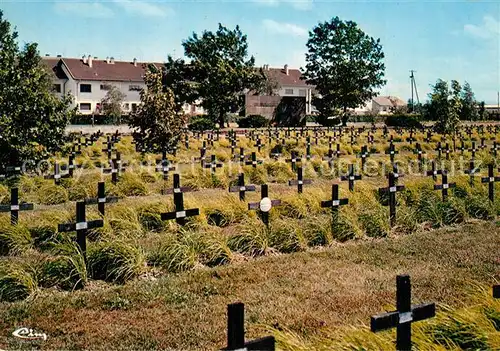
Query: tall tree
{"type": "Point", "coordinates": [32, 118]}
{"type": "Point", "coordinates": [444, 106]}
{"type": "Point", "coordinates": [157, 124]}
{"type": "Point", "coordinates": [222, 70]}
{"type": "Point", "coordinates": [482, 111]}
{"type": "Point", "coordinates": [112, 103]}
{"type": "Point", "coordinates": [469, 110]}
{"type": "Point", "coordinates": [346, 66]}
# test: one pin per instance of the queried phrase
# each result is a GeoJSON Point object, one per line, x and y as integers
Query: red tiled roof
{"type": "Point", "coordinates": [103, 71]}
{"type": "Point", "coordinates": [52, 64]}
{"type": "Point", "coordinates": [292, 79]}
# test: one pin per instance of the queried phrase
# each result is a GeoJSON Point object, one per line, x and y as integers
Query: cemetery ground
{"type": "Point", "coordinates": [310, 278]}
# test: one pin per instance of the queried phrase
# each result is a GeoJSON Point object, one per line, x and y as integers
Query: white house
{"type": "Point", "coordinates": [380, 105]}
{"type": "Point", "coordinates": [88, 80]}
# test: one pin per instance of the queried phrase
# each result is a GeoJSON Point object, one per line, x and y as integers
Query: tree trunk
{"type": "Point", "coordinates": [221, 119]}
{"type": "Point", "coordinates": [345, 117]}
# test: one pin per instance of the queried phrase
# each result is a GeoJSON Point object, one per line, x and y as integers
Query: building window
{"type": "Point", "coordinates": [105, 86]}
{"type": "Point", "coordinates": [134, 107]}
{"type": "Point", "coordinates": [57, 88]}
{"type": "Point", "coordinates": [86, 106]}
{"type": "Point", "coordinates": [85, 88]}
{"type": "Point", "coordinates": [288, 91]}
{"type": "Point", "coordinates": [126, 106]}
{"type": "Point", "coordinates": [134, 88]}
{"type": "Point", "coordinates": [302, 92]}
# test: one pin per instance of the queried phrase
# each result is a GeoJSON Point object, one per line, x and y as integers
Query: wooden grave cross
{"type": "Point", "coordinates": [364, 154]}
{"type": "Point", "coordinates": [258, 144]}
{"type": "Point", "coordinates": [264, 205]}
{"type": "Point", "coordinates": [391, 152]}
{"type": "Point", "coordinates": [81, 226]}
{"type": "Point", "coordinates": [180, 214]}
{"type": "Point", "coordinates": [14, 207]}
{"type": "Point", "coordinates": [490, 179]}
{"type": "Point", "coordinates": [116, 168]}
{"type": "Point", "coordinates": [494, 149]}
{"type": "Point", "coordinates": [308, 148]}
{"type": "Point", "coordinates": [473, 150]}
{"type": "Point", "coordinates": [391, 190]}
{"type": "Point", "coordinates": [418, 151]}
{"type": "Point", "coordinates": [236, 332]}
{"type": "Point", "coordinates": [164, 166]}
{"type": "Point", "coordinates": [300, 181]}
{"type": "Point", "coordinates": [439, 149]}
{"type": "Point", "coordinates": [101, 200]}
{"type": "Point", "coordinates": [433, 172]}
{"type": "Point", "coordinates": [213, 165]}
{"type": "Point", "coordinates": [471, 172]}
{"type": "Point", "coordinates": [444, 186]}
{"type": "Point", "coordinates": [334, 203]}
{"type": "Point", "coordinates": [404, 316]}
{"type": "Point", "coordinates": [293, 160]}
{"type": "Point", "coordinates": [241, 188]}
{"type": "Point", "coordinates": [351, 177]}
{"type": "Point", "coordinates": [253, 160]}
{"type": "Point", "coordinates": [57, 176]}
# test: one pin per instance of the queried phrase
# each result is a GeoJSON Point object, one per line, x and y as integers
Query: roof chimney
{"type": "Point", "coordinates": [59, 55]}
{"type": "Point", "coordinates": [47, 55]}
{"type": "Point", "coordinates": [135, 62]}
{"type": "Point", "coordinates": [286, 70]}
{"type": "Point", "coordinates": [112, 60]}
{"type": "Point", "coordinates": [84, 59]}
{"type": "Point", "coordinates": [107, 59]}
{"type": "Point", "coordinates": [89, 61]}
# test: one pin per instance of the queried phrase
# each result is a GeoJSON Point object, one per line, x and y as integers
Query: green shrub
{"type": "Point", "coordinates": [253, 121]}
{"type": "Point", "coordinates": [115, 262]}
{"type": "Point", "coordinates": [201, 123]}
{"type": "Point", "coordinates": [403, 120]}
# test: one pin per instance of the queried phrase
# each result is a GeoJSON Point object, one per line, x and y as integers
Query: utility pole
{"type": "Point", "coordinates": [413, 84]}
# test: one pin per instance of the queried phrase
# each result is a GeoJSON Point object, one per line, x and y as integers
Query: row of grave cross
{"type": "Point", "coordinates": [401, 319]}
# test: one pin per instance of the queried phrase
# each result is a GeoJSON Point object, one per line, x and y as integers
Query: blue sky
{"type": "Point", "coordinates": [440, 39]}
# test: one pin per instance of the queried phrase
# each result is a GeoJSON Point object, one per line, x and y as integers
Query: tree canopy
{"type": "Point", "coordinates": [32, 118]}
{"type": "Point", "coordinates": [112, 103]}
{"type": "Point", "coordinates": [345, 65]}
{"type": "Point", "coordinates": [444, 106]}
{"type": "Point", "coordinates": [218, 72]}
{"type": "Point", "coordinates": [157, 124]}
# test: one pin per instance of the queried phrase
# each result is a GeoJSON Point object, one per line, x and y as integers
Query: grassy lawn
{"type": "Point", "coordinates": [306, 293]}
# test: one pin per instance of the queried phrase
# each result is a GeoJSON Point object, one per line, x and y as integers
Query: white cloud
{"type": "Point", "coordinates": [284, 28]}
{"type": "Point", "coordinates": [302, 5]}
{"type": "Point", "coordinates": [84, 9]}
{"type": "Point", "coordinates": [490, 28]}
{"type": "Point", "coordinates": [143, 8]}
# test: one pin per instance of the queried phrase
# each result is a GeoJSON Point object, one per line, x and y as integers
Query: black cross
{"type": "Point", "coordinates": [428, 137]}
{"type": "Point", "coordinates": [462, 147]}
{"type": "Point", "coordinates": [14, 207]}
{"type": "Point", "coordinates": [411, 139]}
{"type": "Point", "coordinates": [186, 141]}
{"type": "Point", "coordinates": [391, 190]}
{"type": "Point", "coordinates": [241, 187]}
{"type": "Point", "coordinates": [396, 173]}
{"type": "Point", "coordinates": [473, 150]}
{"type": "Point", "coordinates": [439, 148]}
{"type": "Point", "coordinates": [447, 151]}
{"type": "Point", "coordinates": [494, 149]}
{"type": "Point", "coordinates": [351, 177]}
{"type": "Point", "coordinates": [180, 213]}
{"type": "Point", "coordinates": [81, 226]}
{"type": "Point", "coordinates": [236, 332]}
{"type": "Point", "coordinates": [57, 174]}
{"type": "Point", "coordinates": [213, 165]}
{"type": "Point", "coordinates": [253, 161]}
{"type": "Point", "coordinates": [496, 291]}
{"type": "Point", "coordinates": [242, 155]}
{"type": "Point", "coordinates": [418, 151]}
{"type": "Point", "coordinates": [265, 205]}
{"type": "Point", "coordinates": [203, 151]}
{"type": "Point", "coordinates": [101, 198]}
{"type": "Point", "coordinates": [72, 166]}
{"type": "Point", "coordinates": [334, 203]}
{"type": "Point", "coordinates": [116, 168]}
{"type": "Point", "coordinates": [433, 172]}
{"type": "Point", "coordinates": [471, 172]}
{"type": "Point", "coordinates": [391, 152]}
{"type": "Point", "coordinates": [293, 160]}
{"type": "Point", "coordinates": [110, 147]}
{"type": "Point", "coordinates": [490, 179]}
{"type": "Point", "coordinates": [308, 148]}
{"type": "Point", "coordinates": [259, 144]}
{"type": "Point", "coordinates": [364, 154]}
{"type": "Point", "coordinates": [404, 316]}
{"type": "Point", "coordinates": [444, 186]}
{"type": "Point", "coordinates": [300, 181]}
{"type": "Point", "coordinates": [164, 166]}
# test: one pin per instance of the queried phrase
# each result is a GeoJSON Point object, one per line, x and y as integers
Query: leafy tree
{"type": "Point", "coordinates": [444, 106]}
{"type": "Point", "coordinates": [180, 78]}
{"type": "Point", "coordinates": [112, 103]}
{"type": "Point", "coordinates": [32, 118]}
{"type": "Point", "coordinates": [469, 109]}
{"type": "Point", "coordinates": [482, 111]}
{"type": "Point", "coordinates": [221, 70]}
{"type": "Point", "coordinates": [346, 66]}
{"type": "Point", "coordinates": [157, 124]}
